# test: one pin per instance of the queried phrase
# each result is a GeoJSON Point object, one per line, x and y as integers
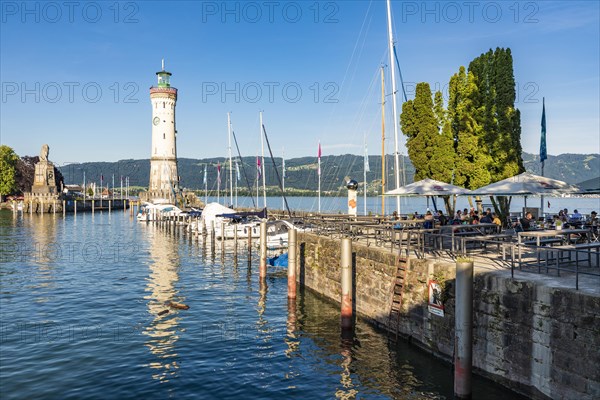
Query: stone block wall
{"type": "Point", "coordinates": [538, 340]}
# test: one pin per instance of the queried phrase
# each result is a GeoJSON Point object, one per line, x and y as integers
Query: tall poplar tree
{"type": "Point", "coordinates": [494, 76]}
{"type": "Point", "coordinates": [472, 154]}
{"type": "Point", "coordinates": [429, 137]}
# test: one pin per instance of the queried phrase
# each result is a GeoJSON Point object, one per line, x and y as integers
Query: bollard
{"type": "Point", "coordinates": [291, 264]}
{"type": "Point", "coordinates": [235, 241]}
{"type": "Point", "coordinates": [346, 267]}
{"type": "Point", "coordinates": [64, 208]}
{"type": "Point", "coordinates": [249, 246]}
{"type": "Point", "coordinates": [263, 250]}
{"type": "Point", "coordinates": [463, 337]}
{"type": "Point", "coordinates": [212, 234]}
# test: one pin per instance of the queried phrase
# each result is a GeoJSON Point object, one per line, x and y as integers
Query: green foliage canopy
{"type": "Point", "coordinates": [8, 163]}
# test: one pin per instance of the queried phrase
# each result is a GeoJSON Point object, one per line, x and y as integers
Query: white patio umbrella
{"type": "Point", "coordinates": [526, 184]}
{"type": "Point", "coordinates": [427, 187]}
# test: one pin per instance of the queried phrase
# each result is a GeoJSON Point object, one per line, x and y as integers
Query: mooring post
{"type": "Point", "coordinates": [249, 246]}
{"type": "Point", "coordinates": [263, 250]}
{"type": "Point", "coordinates": [75, 207]}
{"type": "Point", "coordinates": [291, 264]}
{"type": "Point", "coordinates": [109, 206]}
{"type": "Point", "coordinates": [463, 339]}
{"type": "Point", "coordinates": [222, 231]}
{"type": "Point", "coordinates": [235, 241]}
{"type": "Point", "coordinates": [93, 206]}
{"type": "Point", "coordinates": [212, 234]}
{"type": "Point", "coordinates": [64, 208]}
{"type": "Point", "coordinates": [346, 267]}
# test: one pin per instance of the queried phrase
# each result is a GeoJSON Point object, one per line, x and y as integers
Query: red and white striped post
{"type": "Point", "coordinates": [263, 250]}
{"type": "Point", "coordinates": [346, 267]}
{"type": "Point", "coordinates": [292, 264]}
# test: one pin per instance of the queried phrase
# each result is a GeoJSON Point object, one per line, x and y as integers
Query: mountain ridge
{"type": "Point", "coordinates": [301, 172]}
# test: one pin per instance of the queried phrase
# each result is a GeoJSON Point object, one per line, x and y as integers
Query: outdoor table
{"type": "Point", "coordinates": [470, 229]}
{"type": "Point", "coordinates": [538, 235]}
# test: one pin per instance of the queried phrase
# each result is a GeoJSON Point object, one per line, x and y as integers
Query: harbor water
{"type": "Point", "coordinates": [409, 205]}
{"type": "Point", "coordinates": [85, 313]}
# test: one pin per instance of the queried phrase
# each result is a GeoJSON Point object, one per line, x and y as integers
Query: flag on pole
{"type": "Point", "coordinates": [219, 173]}
{"type": "Point", "coordinates": [237, 171]}
{"type": "Point", "coordinates": [319, 158]}
{"type": "Point", "coordinates": [258, 169]}
{"type": "Point", "coordinates": [204, 181]}
{"type": "Point", "coordinates": [543, 152]}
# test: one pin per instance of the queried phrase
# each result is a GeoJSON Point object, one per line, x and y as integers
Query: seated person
{"type": "Point", "coordinates": [496, 220]}
{"type": "Point", "coordinates": [527, 222]}
{"type": "Point", "coordinates": [576, 215]}
{"type": "Point", "coordinates": [442, 218]}
{"type": "Point", "coordinates": [428, 220]}
{"type": "Point", "coordinates": [593, 218]}
{"type": "Point", "coordinates": [475, 219]}
{"type": "Point", "coordinates": [487, 218]}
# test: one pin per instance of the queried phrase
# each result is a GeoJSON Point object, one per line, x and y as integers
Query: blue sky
{"type": "Point", "coordinates": [77, 77]}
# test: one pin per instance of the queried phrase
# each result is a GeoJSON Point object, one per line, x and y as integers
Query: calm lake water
{"type": "Point", "coordinates": [409, 205]}
{"type": "Point", "coordinates": [82, 315]}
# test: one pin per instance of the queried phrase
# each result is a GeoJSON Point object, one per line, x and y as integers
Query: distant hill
{"type": "Point", "coordinates": [301, 173]}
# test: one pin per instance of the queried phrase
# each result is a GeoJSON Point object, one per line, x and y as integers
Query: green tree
{"type": "Point", "coordinates": [472, 154]}
{"type": "Point", "coordinates": [494, 76]}
{"type": "Point", "coordinates": [8, 163]}
{"type": "Point", "coordinates": [430, 143]}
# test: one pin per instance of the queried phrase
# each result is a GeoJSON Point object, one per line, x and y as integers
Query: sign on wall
{"type": "Point", "coordinates": [436, 306]}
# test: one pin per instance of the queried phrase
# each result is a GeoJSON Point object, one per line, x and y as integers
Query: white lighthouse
{"type": "Point", "coordinates": [164, 179]}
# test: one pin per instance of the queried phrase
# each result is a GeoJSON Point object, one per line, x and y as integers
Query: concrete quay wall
{"type": "Point", "coordinates": [538, 340]}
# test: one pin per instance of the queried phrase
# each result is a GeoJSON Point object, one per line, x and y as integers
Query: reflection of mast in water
{"type": "Point", "coordinates": [162, 330]}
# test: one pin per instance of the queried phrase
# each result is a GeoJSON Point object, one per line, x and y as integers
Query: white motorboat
{"type": "Point", "coordinates": [152, 212]}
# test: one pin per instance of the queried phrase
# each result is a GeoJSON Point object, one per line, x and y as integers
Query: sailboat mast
{"type": "Point", "coordinates": [365, 161]}
{"type": "Point", "coordinates": [237, 175]}
{"type": "Point", "coordinates": [394, 105]}
{"type": "Point", "coordinates": [230, 164]}
{"type": "Point", "coordinates": [382, 142]}
{"type": "Point", "coordinates": [283, 178]}
{"type": "Point", "coordinates": [262, 149]}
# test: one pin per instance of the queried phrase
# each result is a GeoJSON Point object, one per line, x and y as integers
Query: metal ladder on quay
{"type": "Point", "coordinates": [397, 294]}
